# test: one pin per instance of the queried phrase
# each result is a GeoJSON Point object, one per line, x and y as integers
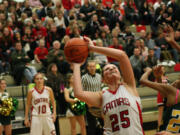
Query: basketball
{"type": "Point", "coordinates": [76, 50]}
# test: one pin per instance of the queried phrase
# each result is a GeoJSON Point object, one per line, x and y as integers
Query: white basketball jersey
{"type": "Point", "coordinates": [40, 102]}
{"type": "Point", "coordinates": [122, 113]}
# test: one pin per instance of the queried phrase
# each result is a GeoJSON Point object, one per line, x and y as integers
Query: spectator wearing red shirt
{"type": "Point", "coordinates": [39, 31]}
{"type": "Point", "coordinates": [41, 53]}
{"type": "Point", "coordinates": [115, 45]}
{"type": "Point", "coordinates": [107, 3]}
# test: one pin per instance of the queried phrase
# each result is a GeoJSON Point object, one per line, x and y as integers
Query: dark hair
{"type": "Point", "coordinates": [69, 75]}
{"type": "Point", "coordinates": [50, 67]}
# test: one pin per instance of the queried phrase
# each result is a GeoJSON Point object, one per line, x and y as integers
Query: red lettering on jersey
{"type": "Point", "coordinates": [39, 100]}
{"type": "Point", "coordinates": [115, 103]}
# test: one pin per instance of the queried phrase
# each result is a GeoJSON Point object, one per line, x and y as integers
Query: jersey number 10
{"type": "Point", "coordinates": [42, 109]}
{"type": "Point", "coordinates": [124, 120]}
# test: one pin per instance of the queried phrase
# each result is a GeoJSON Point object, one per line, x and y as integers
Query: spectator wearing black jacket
{"type": "Point", "coordinates": [92, 27]}
{"type": "Point", "coordinates": [55, 33]}
{"type": "Point", "coordinates": [87, 10]}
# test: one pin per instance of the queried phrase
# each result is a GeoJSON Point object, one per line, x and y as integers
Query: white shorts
{"type": "Point", "coordinates": [42, 126]}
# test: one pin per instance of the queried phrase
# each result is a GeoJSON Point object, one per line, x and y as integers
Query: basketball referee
{"type": "Point", "coordinates": [91, 81]}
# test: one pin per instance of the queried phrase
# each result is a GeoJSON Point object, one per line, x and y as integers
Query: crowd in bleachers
{"type": "Point", "coordinates": [43, 27]}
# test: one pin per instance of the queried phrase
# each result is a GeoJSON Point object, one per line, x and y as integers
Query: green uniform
{"type": "Point", "coordinates": [171, 118]}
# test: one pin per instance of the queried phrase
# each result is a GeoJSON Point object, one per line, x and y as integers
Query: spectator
{"type": "Point", "coordinates": [40, 53]}
{"type": "Point", "coordinates": [101, 59]}
{"type": "Point", "coordinates": [107, 3]}
{"type": "Point", "coordinates": [55, 80]}
{"type": "Point", "coordinates": [161, 42]}
{"type": "Point", "coordinates": [29, 41]}
{"type": "Point", "coordinates": [143, 49]}
{"type": "Point", "coordinates": [129, 38]}
{"type": "Point", "coordinates": [48, 22]}
{"type": "Point", "coordinates": [55, 52]}
{"type": "Point", "coordinates": [68, 5]}
{"type": "Point", "coordinates": [35, 4]}
{"type": "Point", "coordinates": [20, 65]}
{"type": "Point", "coordinates": [46, 11]}
{"type": "Point", "coordinates": [116, 33]}
{"type": "Point", "coordinates": [86, 11]}
{"type": "Point", "coordinates": [17, 37]}
{"type": "Point", "coordinates": [91, 81]}
{"type": "Point", "coordinates": [65, 39]}
{"type": "Point", "coordinates": [157, 19]}
{"type": "Point", "coordinates": [4, 67]}
{"type": "Point", "coordinates": [145, 14]}
{"type": "Point", "coordinates": [61, 21]}
{"type": "Point", "coordinates": [158, 4]}
{"type": "Point", "coordinates": [55, 33]}
{"type": "Point", "coordinates": [58, 6]}
{"type": "Point", "coordinates": [151, 59]}
{"type": "Point", "coordinates": [151, 45]}
{"type": "Point", "coordinates": [131, 13]}
{"type": "Point", "coordinates": [137, 64]}
{"type": "Point", "coordinates": [115, 17]}
{"type": "Point", "coordinates": [75, 32]}
{"type": "Point", "coordinates": [114, 45]}
{"type": "Point", "coordinates": [39, 31]}
{"type": "Point", "coordinates": [69, 97]}
{"type": "Point", "coordinates": [26, 9]}
{"type": "Point", "coordinates": [105, 37]}
{"type": "Point", "coordinates": [142, 34]}
{"type": "Point", "coordinates": [102, 14]}
{"type": "Point", "coordinates": [92, 27]}
{"type": "Point", "coordinates": [6, 43]}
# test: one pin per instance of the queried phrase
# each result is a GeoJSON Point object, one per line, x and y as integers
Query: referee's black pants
{"type": "Point", "coordinates": [92, 128]}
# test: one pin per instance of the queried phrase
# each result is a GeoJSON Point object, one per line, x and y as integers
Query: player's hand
{"type": "Point", "coordinates": [170, 34]}
{"type": "Point", "coordinates": [87, 39]}
{"type": "Point", "coordinates": [72, 65]}
{"type": "Point", "coordinates": [26, 122]}
{"type": "Point", "coordinates": [164, 133]}
{"type": "Point", "coordinates": [157, 71]}
{"type": "Point", "coordinates": [53, 117]}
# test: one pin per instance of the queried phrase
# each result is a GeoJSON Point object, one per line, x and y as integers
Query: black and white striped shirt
{"type": "Point", "coordinates": [91, 82]}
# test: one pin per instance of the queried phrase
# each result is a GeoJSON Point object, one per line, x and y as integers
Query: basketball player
{"type": "Point", "coordinates": [39, 98]}
{"type": "Point", "coordinates": [171, 114]}
{"type": "Point", "coordinates": [5, 121]}
{"type": "Point", "coordinates": [120, 103]}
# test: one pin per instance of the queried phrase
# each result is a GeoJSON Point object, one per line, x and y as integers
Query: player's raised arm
{"type": "Point", "coordinates": [170, 39]}
{"type": "Point", "coordinates": [91, 98]}
{"type": "Point", "coordinates": [125, 65]}
{"type": "Point", "coordinates": [165, 89]}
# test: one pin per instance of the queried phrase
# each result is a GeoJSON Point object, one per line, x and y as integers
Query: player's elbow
{"type": "Point", "coordinates": [78, 95]}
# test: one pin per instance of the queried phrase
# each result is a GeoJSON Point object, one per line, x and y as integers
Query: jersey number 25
{"type": "Point", "coordinates": [123, 118]}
